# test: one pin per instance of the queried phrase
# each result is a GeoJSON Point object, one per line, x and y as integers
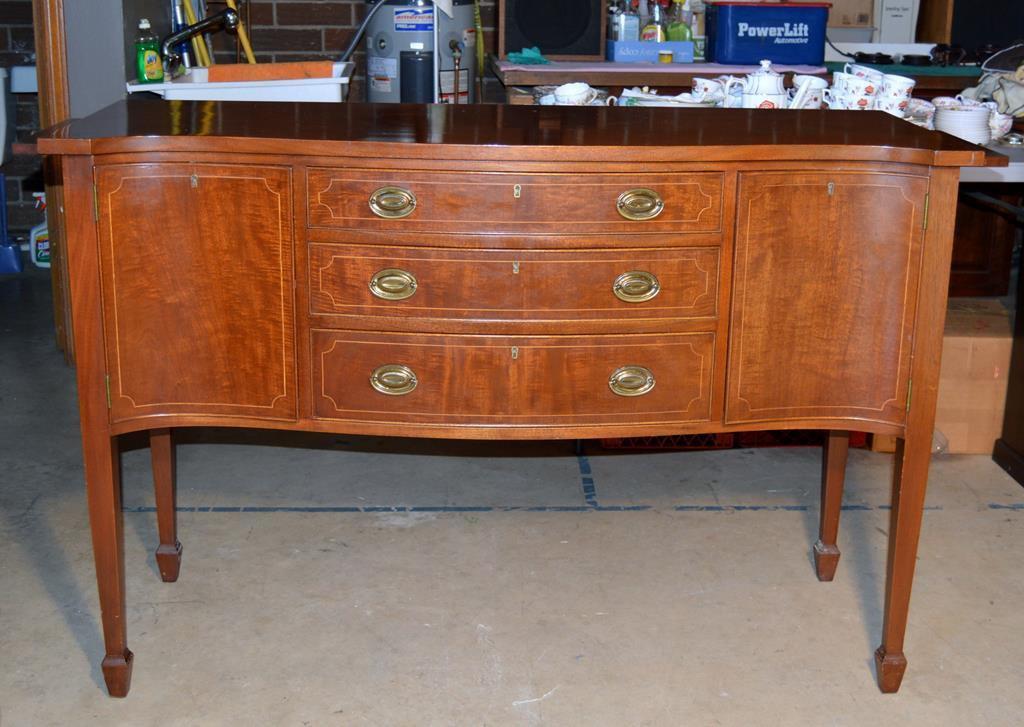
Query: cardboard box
{"type": "Point", "coordinates": [849, 13]}
{"type": "Point", "coordinates": [972, 382]}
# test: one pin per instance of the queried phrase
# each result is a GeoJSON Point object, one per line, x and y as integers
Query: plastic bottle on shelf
{"type": "Point", "coordinates": [655, 29]}
{"type": "Point", "coordinates": [679, 22]}
{"type": "Point", "coordinates": [700, 38]}
{"type": "Point", "coordinates": [39, 236]}
{"type": "Point", "coordinates": [624, 24]}
{"type": "Point", "coordinates": [148, 66]}
{"type": "Point", "coordinates": [643, 11]}
{"type": "Point", "coordinates": [630, 23]}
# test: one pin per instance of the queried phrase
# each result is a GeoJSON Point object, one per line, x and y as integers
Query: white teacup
{"type": "Point", "coordinates": [708, 89]}
{"type": "Point", "coordinates": [732, 88]}
{"type": "Point", "coordinates": [575, 94]}
{"type": "Point", "coordinates": [861, 86]}
{"type": "Point", "coordinates": [921, 112]}
{"type": "Point", "coordinates": [860, 101]}
{"type": "Point", "coordinates": [817, 82]}
{"type": "Point", "coordinates": [897, 86]}
{"type": "Point", "coordinates": [864, 72]}
{"type": "Point", "coordinates": [896, 106]}
{"type": "Point", "coordinates": [806, 92]}
{"type": "Point", "coordinates": [835, 100]}
{"type": "Point", "coordinates": [1000, 124]}
{"type": "Point", "coordinates": [839, 80]}
{"type": "Point", "coordinates": [812, 98]}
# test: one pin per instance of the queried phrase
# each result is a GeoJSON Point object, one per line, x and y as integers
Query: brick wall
{"type": "Point", "coordinates": [281, 30]}
{"type": "Point", "coordinates": [298, 30]}
{"type": "Point", "coordinates": [23, 174]}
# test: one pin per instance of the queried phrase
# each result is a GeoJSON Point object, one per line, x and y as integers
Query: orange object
{"type": "Point", "coordinates": [270, 71]}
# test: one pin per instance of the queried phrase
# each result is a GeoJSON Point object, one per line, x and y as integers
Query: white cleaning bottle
{"type": "Point", "coordinates": [39, 237]}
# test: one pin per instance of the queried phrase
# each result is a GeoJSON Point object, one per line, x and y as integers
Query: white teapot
{"type": "Point", "coordinates": [762, 89]}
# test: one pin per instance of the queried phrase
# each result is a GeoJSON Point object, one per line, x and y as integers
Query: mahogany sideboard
{"type": "Point", "coordinates": [504, 272]}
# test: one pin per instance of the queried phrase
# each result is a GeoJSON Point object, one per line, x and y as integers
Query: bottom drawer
{"type": "Point", "coordinates": [515, 380]}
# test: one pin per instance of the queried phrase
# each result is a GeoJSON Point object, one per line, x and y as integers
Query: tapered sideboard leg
{"type": "Point", "coordinates": [163, 455]}
{"type": "Point", "coordinates": [908, 490]}
{"type": "Point", "coordinates": [103, 486]}
{"type": "Point", "coordinates": [833, 474]}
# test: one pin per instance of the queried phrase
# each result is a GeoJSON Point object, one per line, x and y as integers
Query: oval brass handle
{"type": "Point", "coordinates": [391, 203]}
{"type": "Point", "coordinates": [640, 204]}
{"type": "Point", "coordinates": [636, 286]}
{"type": "Point", "coordinates": [393, 284]}
{"type": "Point", "coordinates": [393, 379]}
{"type": "Point", "coordinates": [631, 381]}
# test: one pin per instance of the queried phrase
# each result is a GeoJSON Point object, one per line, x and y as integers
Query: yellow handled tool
{"type": "Point", "coordinates": [243, 36]}
{"type": "Point", "coordinates": [198, 44]}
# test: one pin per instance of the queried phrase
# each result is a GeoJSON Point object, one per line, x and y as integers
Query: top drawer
{"type": "Point", "coordinates": [510, 203]}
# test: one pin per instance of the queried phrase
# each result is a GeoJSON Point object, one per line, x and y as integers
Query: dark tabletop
{"type": "Point", "coordinates": [482, 131]}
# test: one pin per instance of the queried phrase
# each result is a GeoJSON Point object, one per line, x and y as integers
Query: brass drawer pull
{"type": "Point", "coordinates": [391, 203]}
{"type": "Point", "coordinates": [636, 286]}
{"type": "Point", "coordinates": [631, 381]}
{"type": "Point", "coordinates": [393, 284]}
{"type": "Point", "coordinates": [393, 379]}
{"type": "Point", "coordinates": [640, 204]}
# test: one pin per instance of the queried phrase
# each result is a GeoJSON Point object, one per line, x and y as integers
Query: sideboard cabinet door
{"type": "Point", "coordinates": [826, 270]}
{"type": "Point", "coordinates": [198, 289]}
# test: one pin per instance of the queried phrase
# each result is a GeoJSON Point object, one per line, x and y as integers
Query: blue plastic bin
{"type": "Point", "coordinates": [745, 33]}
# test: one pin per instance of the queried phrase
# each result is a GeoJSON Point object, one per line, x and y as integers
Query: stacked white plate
{"type": "Point", "coordinates": [970, 124]}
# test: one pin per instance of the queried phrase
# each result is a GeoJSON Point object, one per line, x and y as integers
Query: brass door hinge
{"type": "Point", "coordinates": [107, 377]}
{"type": "Point", "coordinates": [95, 203]}
{"type": "Point", "coordinates": [910, 391]}
{"type": "Point", "coordinates": [924, 225]}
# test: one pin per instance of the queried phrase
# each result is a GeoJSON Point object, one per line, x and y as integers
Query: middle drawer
{"type": "Point", "coordinates": [519, 284]}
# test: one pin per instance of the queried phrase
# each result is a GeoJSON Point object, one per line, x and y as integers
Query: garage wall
{"type": "Point", "coordinates": [23, 174]}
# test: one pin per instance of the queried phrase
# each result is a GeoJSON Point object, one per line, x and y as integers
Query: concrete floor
{"type": "Point", "coordinates": [422, 583]}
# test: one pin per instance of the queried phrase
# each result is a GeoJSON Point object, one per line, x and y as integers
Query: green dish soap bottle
{"type": "Point", "coordinates": [679, 22]}
{"type": "Point", "coordinates": [147, 55]}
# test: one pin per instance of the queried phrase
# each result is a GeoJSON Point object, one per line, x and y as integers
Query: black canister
{"type": "Point", "coordinates": [417, 73]}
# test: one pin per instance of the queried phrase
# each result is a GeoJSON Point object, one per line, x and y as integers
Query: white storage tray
{"type": "Point", "coordinates": [194, 87]}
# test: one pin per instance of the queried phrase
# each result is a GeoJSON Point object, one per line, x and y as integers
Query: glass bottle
{"type": "Point", "coordinates": [643, 11]}
{"type": "Point", "coordinates": [655, 29]}
{"type": "Point", "coordinates": [613, 12]}
{"type": "Point", "coordinates": [630, 21]}
{"type": "Point", "coordinates": [625, 24]}
{"type": "Point", "coordinates": [679, 22]}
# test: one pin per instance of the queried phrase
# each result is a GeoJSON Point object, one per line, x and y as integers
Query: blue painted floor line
{"type": "Point", "coordinates": [1014, 506]}
{"type": "Point", "coordinates": [587, 481]}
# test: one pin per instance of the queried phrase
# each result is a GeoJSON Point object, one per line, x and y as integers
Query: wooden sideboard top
{"type": "Point", "coordinates": [487, 132]}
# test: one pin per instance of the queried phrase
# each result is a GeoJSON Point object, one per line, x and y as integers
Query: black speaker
{"type": "Point", "coordinates": [562, 29]}
{"type": "Point", "coordinates": [979, 22]}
